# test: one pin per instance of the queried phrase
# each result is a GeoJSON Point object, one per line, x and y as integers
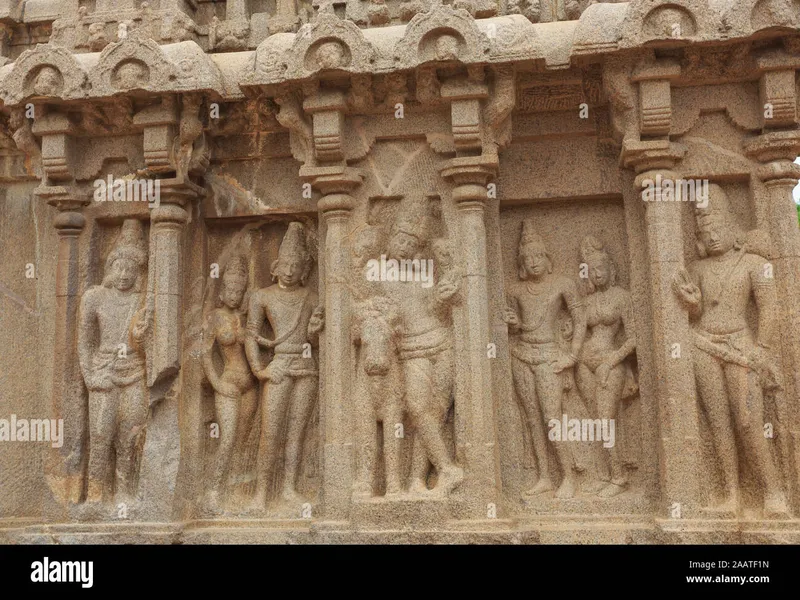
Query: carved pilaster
{"type": "Point", "coordinates": [474, 402]}
{"type": "Point", "coordinates": [776, 151]}
{"type": "Point", "coordinates": [336, 411]}
{"type": "Point", "coordinates": [336, 182]}
{"type": "Point", "coordinates": [653, 162]}
{"type": "Point", "coordinates": [64, 467]}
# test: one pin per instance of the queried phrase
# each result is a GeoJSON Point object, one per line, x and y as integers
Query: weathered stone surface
{"type": "Point", "coordinates": [389, 271]}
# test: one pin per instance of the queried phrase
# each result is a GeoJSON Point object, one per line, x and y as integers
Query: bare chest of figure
{"type": "Point", "coordinates": [229, 328]}
{"type": "Point", "coordinates": [602, 309]}
{"type": "Point", "coordinates": [415, 303]}
{"type": "Point", "coordinates": [726, 289]}
{"type": "Point", "coordinates": [283, 309]}
{"type": "Point", "coordinates": [114, 317]}
{"type": "Point", "coordinates": [539, 304]}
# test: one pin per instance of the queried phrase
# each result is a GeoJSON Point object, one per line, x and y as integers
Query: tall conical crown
{"type": "Point", "coordinates": [412, 218]}
{"type": "Point", "coordinates": [130, 244]}
{"type": "Point", "coordinates": [529, 234]}
{"type": "Point", "coordinates": [294, 242]}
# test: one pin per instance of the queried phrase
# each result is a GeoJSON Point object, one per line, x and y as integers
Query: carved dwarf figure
{"type": "Point", "coordinates": [426, 352]}
{"type": "Point", "coordinates": [235, 398]}
{"type": "Point", "coordinates": [733, 367]}
{"type": "Point", "coordinates": [289, 390]}
{"type": "Point", "coordinates": [110, 335]}
{"type": "Point", "coordinates": [538, 364]}
{"type": "Point", "coordinates": [603, 376]}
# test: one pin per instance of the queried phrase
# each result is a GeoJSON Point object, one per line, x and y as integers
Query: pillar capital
{"type": "Point", "coordinates": [335, 179]}
{"type": "Point", "coordinates": [651, 155]}
{"type": "Point", "coordinates": [774, 146]}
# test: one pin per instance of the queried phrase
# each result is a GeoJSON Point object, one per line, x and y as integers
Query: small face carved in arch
{"type": "Point", "coordinates": [48, 82]}
{"type": "Point", "coordinates": [447, 48]}
{"type": "Point", "coordinates": [130, 75]}
{"type": "Point", "coordinates": [330, 55]}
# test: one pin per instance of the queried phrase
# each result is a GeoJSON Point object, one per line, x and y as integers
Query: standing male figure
{"type": "Point", "coordinates": [538, 364]}
{"type": "Point", "coordinates": [110, 335]}
{"type": "Point", "coordinates": [425, 351]}
{"type": "Point", "coordinates": [289, 388]}
{"type": "Point", "coordinates": [732, 366]}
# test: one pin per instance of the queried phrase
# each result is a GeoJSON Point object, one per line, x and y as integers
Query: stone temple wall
{"type": "Point", "coordinates": [488, 271]}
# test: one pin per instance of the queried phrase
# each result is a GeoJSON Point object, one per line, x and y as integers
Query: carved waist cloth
{"type": "Point", "coordinates": [122, 371]}
{"type": "Point", "coordinates": [425, 344]}
{"type": "Point", "coordinates": [293, 363]}
{"type": "Point", "coordinates": [729, 347]}
{"type": "Point", "coordinates": [535, 354]}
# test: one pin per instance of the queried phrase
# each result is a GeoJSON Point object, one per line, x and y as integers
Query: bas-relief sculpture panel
{"type": "Point", "coordinates": [572, 346]}
{"type": "Point", "coordinates": [335, 315]}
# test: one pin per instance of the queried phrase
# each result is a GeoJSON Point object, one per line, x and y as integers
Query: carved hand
{"type": "Point", "coordinates": [99, 382]}
{"type": "Point", "coordinates": [226, 388]}
{"type": "Point", "coordinates": [317, 321]}
{"type": "Point", "coordinates": [272, 372]}
{"type": "Point", "coordinates": [565, 361]}
{"type": "Point", "coordinates": [685, 289]}
{"type": "Point", "coordinates": [602, 373]}
{"type": "Point", "coordinates": [762, 363]}
{"type": "Point", "coordinates": [446, 290]}
{"type": "Point", "coordinates": [511, 318]}
{"type": "Point", "coordinates": [140, 325]}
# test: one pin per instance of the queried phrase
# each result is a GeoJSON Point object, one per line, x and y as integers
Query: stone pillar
{"type": "Point", "coordinates": [675, 395]}
{"type": "Point", "coordinates": [474, 403]}
{"type": "Point", "coordinates": [164, 304]}
{"type": "Point", "coordinates": [777, 151]}
{"type": "Point", "coordinates": [165, 283]}
{"type": "Point", "coordinates": [64, 468]}
{"type": "Point", "coordinates": [336, 408]}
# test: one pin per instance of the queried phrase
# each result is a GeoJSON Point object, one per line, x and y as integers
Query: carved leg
{"type": "Point", "coordinates": [747, 407]}
{"type": "Point", "coordinates": [587, 386]}
{"type": "Point", "coordinates": [245, 431]}
{"type": "Point", "coordinates": [304, 396]}
{"type": "Point", "coordinates": [274, 399]}
{"type": "Point", "coordinates": [132, 425]}
{"type": "Point", "coordinates": [227, 410]}
{"type": "Point", "coordinates": [425, 413]}
{"type": "Point", "coordinates": [420, 466]}
{"type": "Point", "coordinates": [549, 390]}
{"type": "Point", "coordinates": [608, 399]}
{"type": "Point", "coordinates": [525, 385]}
{"type": "Point", "coordinates": [102, 422]}
{"type": "Point", "coordinates": [365, 421]}
{"type": "Point", "coordinates": [714, 400]}
{"type": "Point", "coordinates": [392, 447]}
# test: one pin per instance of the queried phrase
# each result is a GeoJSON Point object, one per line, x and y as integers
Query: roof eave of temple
{"type": "Point", "coordinates": [285, 58]}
